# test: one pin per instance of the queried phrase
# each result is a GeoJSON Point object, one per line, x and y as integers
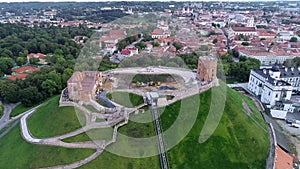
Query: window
{"type": "Point", "coordinates": [269, 93]}
{"type": "Point", "coordinates": [276, 96]}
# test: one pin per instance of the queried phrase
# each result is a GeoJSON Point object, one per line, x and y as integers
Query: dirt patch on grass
{"type": "Point", "coordinates": [247, 108]}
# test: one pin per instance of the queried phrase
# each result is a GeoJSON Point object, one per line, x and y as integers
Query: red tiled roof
{"type": "Point", "coordinates": [157, 32]}
{"type": "Point", "coordinates": [25, 69]}
{"type": "Point", "coordinates": [125, 52]}
{"type": "Point", "coordinates": [244, 29]}
{"type": "Point", "coordinates": [39, 55]}
{"type": "Point", "coordinates": [283, 160]}
{"type": "Point", "coordinates": [222, 52]}
{"type": "Point", "coordinates": [117, 32]}
{"type": "Point", "coordinates": [18, 76]}
{"type": "Point", "coordinates": [131, 48]}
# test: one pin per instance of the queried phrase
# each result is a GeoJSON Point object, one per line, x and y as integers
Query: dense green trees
{"type": "Point", "coordinates": [17, 41]}
{"type": "Point", "coordinates": [21, 61]}
{"type": "Point", "coordinates": [215, 41]}
{"type": "Point", "coordinates": [6, 64]}
{"type": "Point", "coordinates": [140, 46]}
{"type": "Point", "coordinates": [9, 91]}
{"type": "Point", "coordinates": [127, 41]}
{"type": "Point", "coordinates": [238, 70]}
{"type": "Point", "coordinates": [293, 39]}
{"type": "Point", "coordinates": [38, 85]}
{"type": "Point", "coordinates": [292, 62]}
{"type": "Point", "coordinates": [177, 45]}
{"type": "Point", "coordinates": [29, 96]}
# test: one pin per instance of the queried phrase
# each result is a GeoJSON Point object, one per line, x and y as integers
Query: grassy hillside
{"type": "Point", "coordinates": [126, 99]}
{"type": "Point", "coordinates": [238, 141]}
{"type": "Point", "coordinates": [17, 153]}
{"type": "Point", "coordinates": [51, 120]}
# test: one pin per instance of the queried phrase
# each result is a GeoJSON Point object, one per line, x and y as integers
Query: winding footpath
{"type": "Point", "coordinates": [7, 109]}
{"type": "Point", "coordinates": [99, 145]}
{"type": "Point", "coordinates": [115, 117]}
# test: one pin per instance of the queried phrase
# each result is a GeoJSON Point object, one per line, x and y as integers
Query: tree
{"type": "Point", "coordinates": [34, 61]}
{"type": "Point", "coordinates": [292, 62]}
{"type": "Point", "coordinates": [56, 78]}
{"type": "Point", "coordinates": [21, 61]}
{"type": "Point", "coordinates": [293, 39]}
{"type": "Point", "coordinates": [215, 41]}
{"type": "Point", "coordinates": [66, 75]}
{"type": "Point", "coordinates": [211, 33]}
{"type": "Point", "coordinates": [177, 45]}
{"type": "Point", "coordinates": [49, 87]}
{"type": "Point", "coordinates": [6, 64]}
{"type": "Point", "coordinates": [155, 44]}
{"type": "Point", "coordinates": [30, 96]}
{"type": "Point", "coordinates": [242, 58]}
{"type": "Point", "coordinates": [10, 92]}
{"type": "Point", "coordinates": [241, 36]}
{"type": "Point", "coordinates": [140, 45]}
{"type": "Point", "coordinates": [245, 43]}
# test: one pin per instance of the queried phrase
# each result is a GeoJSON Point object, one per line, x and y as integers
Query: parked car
{"type": "Point", "coordinates": [289, 121]}
{"type": "Point", "coordinates": [295, 125]}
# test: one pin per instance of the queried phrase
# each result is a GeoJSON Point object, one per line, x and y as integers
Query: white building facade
{"type": "Point", "coordinates": [274, 84]}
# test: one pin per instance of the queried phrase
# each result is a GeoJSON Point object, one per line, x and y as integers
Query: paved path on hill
{"type": "Point", "coordinates": [56, 141]}
{"type": "Point", "coordinates": [113, 119]}
{"type": "Point", "coordinates": [7, 109]}
{"type": "Point", "coordinates": [186, 74]}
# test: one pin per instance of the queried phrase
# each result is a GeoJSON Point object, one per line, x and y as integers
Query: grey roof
{"type": "Point", "coordinates": [278, 82]}
{"type": "Point", "coordinates": [289, 73]}
{"type": "Point", "coordinates": [284, 73]}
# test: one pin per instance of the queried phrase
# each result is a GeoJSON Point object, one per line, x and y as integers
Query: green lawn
{"type": "Point", "coordinates": [17, 153]}
{"type": "Point", "coordinates": [108, 160]}
{"type": "Point", "coordinates": [93, 134]}
{"type": "Point", "coordinates": [255, 112]}
{"type": "Point", "coordinates": [139, 126]}
{"type": "Point", "coordinates": [21, 108]}
{"type": "Point", "coordinates": [238, 142]}
{"type": "Point", "coordinates": [126, 99]}
{"type": "Point", "coordinates": [91, 108]}
{"type": "Point", "coordinates": [51, 120]}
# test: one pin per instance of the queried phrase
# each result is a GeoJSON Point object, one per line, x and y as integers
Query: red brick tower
{"type": "Point", "coordinates": [207, 68]}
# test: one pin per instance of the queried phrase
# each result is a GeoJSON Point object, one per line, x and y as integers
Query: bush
{"type": "Point", "coordinates": [245, 43]}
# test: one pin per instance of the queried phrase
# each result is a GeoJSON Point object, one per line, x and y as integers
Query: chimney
{"type": "Point", "coordinates": [286, 69]}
